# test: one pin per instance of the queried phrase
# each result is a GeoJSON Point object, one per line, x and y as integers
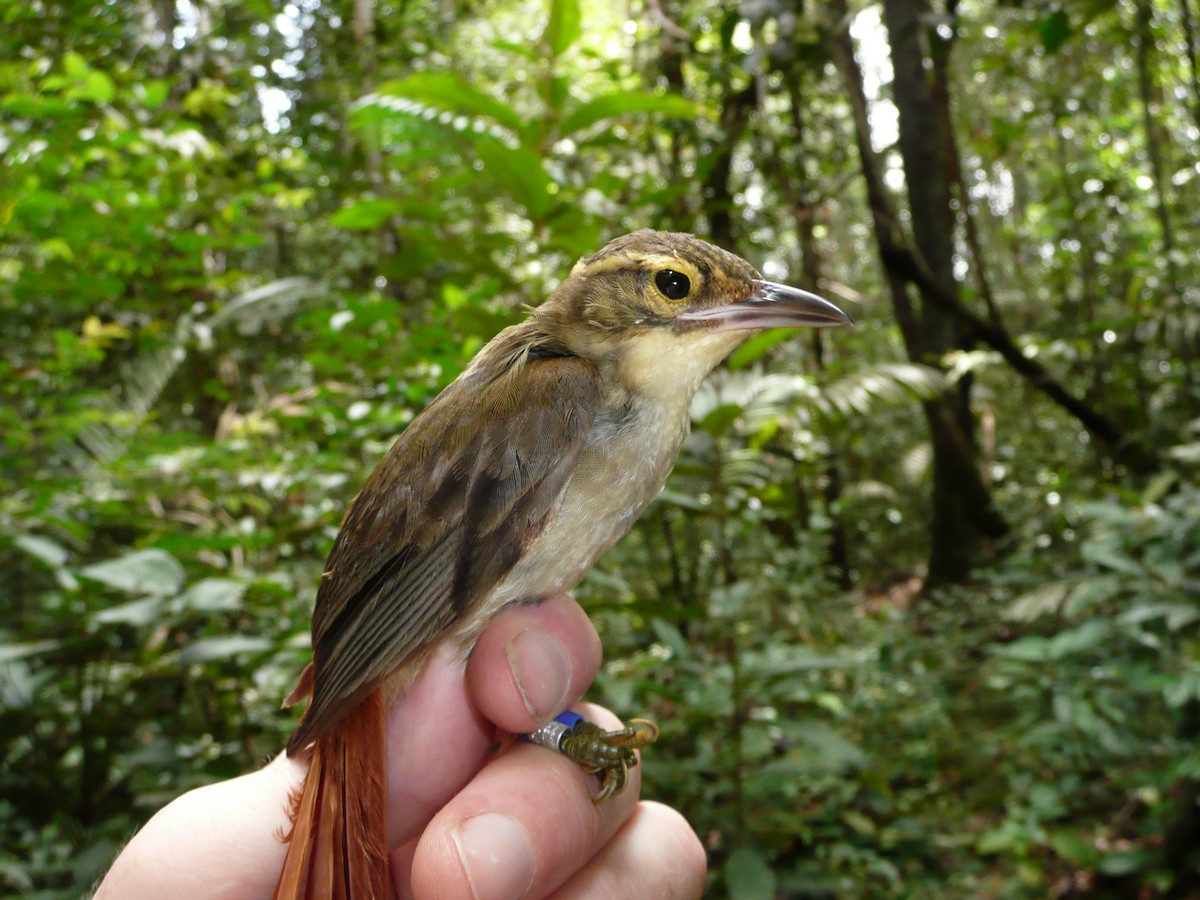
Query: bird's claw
{"type": "Point", "coordinates": [609, 754]}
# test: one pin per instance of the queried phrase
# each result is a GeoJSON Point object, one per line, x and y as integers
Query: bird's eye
{"type": "Point", "coordinates": [674, 285]}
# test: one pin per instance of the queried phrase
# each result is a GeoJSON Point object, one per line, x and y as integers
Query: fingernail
{"type": "Point", "coordinates": [497, 855]}
{"type": "Point", "coordinates": [542, 671]}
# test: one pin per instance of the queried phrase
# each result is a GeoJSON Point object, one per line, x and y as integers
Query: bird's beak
{"type": "Point", "coordinates": [772, 306]}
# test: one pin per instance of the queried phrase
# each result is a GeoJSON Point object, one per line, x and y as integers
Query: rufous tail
{"type": "Point", "coordinates": [337, 849]}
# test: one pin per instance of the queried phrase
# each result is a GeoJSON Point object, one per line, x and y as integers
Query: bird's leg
{"type": "Point", "coordinates": [609, 754]}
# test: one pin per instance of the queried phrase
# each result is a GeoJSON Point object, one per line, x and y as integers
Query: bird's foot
{"type": "Point", "coordinates": [609, 754]}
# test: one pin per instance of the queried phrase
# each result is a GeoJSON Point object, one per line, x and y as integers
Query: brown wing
{"type": "Point", "coordinates": [442, 520]}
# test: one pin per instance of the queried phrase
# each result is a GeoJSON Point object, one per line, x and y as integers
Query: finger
{"type": "Point", "coordinates": [437, 740]}
{"type": "Point", "coordinates": [521, 828]}
{"type": "Point", "coordinates": [654, 854]}
{"type": "Point", "coordinates": [439, 733]}
{"type": "Point", "coordinates": [219, 841]}
{"type": "Point", "coordinates": [533, 662]}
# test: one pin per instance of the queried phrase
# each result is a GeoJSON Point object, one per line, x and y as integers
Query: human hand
{"type": "Point", "coordinates": [523, 825]}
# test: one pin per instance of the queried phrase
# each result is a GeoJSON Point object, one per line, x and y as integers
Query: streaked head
{"type": "Point", "coordinates": [668, 280]}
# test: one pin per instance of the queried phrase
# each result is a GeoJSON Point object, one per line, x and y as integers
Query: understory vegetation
{"type": "Point", "coordinates": [919, 611]}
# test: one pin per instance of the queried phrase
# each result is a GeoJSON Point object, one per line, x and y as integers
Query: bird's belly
{"type": "Point", "coordinates": [621, 469]}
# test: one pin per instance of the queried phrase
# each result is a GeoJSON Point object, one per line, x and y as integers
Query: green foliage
{"type": "Point", "coordinates": [240, 248]}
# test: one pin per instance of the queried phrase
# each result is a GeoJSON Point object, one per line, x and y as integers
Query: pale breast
{"type": "Point", "coordinates": [622, 468]}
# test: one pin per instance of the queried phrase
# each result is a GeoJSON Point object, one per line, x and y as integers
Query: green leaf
{"type": "Point", "coordinates": [1125, 862]}
{"type": "Point", "coordinates": [860, 823]}
{"type": "Point", "coordinates": [728, 600]}
{"type": "Point", "coordinates": [1067, 643]}
{"type": "Point", "coordinates": [155, 92]}
{"type": "Point", "coordinates": [44, 550]}
{"type": "Point", "coordinates": [825, 750]}
{"type": "Point", "coordinates": [138, 613]}
{"type": "Point", "coordinates": [445, 90]}
{"type": "Point", "coordinates": [624, 103]}
{"type": "Point", "coordinates": [563, 27]}
{"type": "Point", "coordinates": [1074, 847]}
{"type": "Point", "coordinates": [757, 346]}
{"type": "Point", "coordinates": [518, 172]}
{"type": "Point", "coordinates": [212, 595]}
{"type": "Point", "coordinates": [685, 501]}
{"type": "Point", "coordinates": [1185, 453]}
{"type": "Point", "coordinates": [803, 659]}
{"type": "Point", "coordinates": [1054, 30]}
{"type": "Point", "coordinates": [365, 214]}
{"type": "Point", "coordinates": [996, 840]}
{"type": "Point", "coordinates": [670, 635]}
{"type": "Point", "coordinates": [212, 649]}
{"type": "Point", "coordinates": [748, 875]}
{"type": "Point", "coordinates": [1108, 552]}
{"type": "Point", "coordinates": [1159, 485]}
{"type": "Point", "coordinates": [75, 66]}
{"type": "Point", "coordinates": [719, 420]}
{"type": "Point", "coordinates": [1183, 690]}
{"type": "Point", "coordinates": [141, 572]}
{"type": "Point", "coordinates": [573, 231]}
{"type": "Point", "coordinates": [1026, 649]}
{"type": "Point", "coordinates": [12, 652]}
{"type": "Point", "coordinates": [1091, 592]}
{"type": "Point", "coordinates": [1078, 640]}
{"type": "Point", "coordinates": [96, 88]}
{"type": "Point", "coordinates": [1176, 615]}
{"type": "Point", "coordinates": [520, 50]}
{"type": "Point", "coordinates": [1046, 599]}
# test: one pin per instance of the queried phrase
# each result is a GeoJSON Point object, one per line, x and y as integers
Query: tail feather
{"type": "Point", "coordinates": [337, 849]}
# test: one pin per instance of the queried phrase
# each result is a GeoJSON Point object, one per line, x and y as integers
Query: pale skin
{"type": "Point", "coordinates": [521, 826]}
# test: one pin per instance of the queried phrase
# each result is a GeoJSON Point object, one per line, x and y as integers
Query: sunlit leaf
{"type": "Point", "coordinates": [96, 87]}
{"type": "Point", "coordinates": [365, 214]}
{"type": "Point", "coordinates": [1186, 453]}
{"type": "Point", "coordinates": [46, 551]}
{"type": "Point", "coordinates": [1183, 689]}
{"type": "Point", "coordinates": [1125, 862]}
{"type": "Point", "coordinates": [683, 500]}
{"type": "Point", "coordinates": [563, 26]}
{"type": "Point", "coordinates": [211, 595]}
{"type": "Point", "coordinates": [138, 613]}
{"type": "Point", "coordinates": [12, 652]}
{"type": "Point", "coordinates": [449, 91]}
{"type": "Point", "coordinates": [669, 634]}
{"type": "Point", "coordinates": [141, 572]}
{"type": "Point", "coordinates": [212, 649]}
{"type": "Point", "coordinates": [1046, 599]}
{"type": "Point", "coordinates": [624, 103]}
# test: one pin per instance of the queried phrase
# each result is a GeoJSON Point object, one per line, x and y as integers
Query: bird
{"type": "Point", "coordinates": [506, 489]}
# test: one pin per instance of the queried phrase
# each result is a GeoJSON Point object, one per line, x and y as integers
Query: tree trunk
{"type": "Point", "coordinates": [718, 196]}
{"type": "Point", "coordinates": [962, 510]}
{"type": "Point", "coordinates": [797, 184]}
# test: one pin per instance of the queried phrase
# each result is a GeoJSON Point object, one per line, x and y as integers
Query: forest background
{"type": "Point", "coordinates": [918, 611]}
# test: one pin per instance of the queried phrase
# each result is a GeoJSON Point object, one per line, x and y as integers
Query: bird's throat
{"type": "Point", "coordinates": [664, 368]}
{"type": "Point", "coordinates": [634, 440]}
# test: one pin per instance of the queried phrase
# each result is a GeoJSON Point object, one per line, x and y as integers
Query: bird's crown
{"type": "Point", "coordinates": [649, 278]}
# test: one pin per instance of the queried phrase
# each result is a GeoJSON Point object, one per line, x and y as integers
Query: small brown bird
{"type": "Point", "coordinates": [507, 488]}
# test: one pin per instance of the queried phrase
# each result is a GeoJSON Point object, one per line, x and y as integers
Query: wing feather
{"type": "Point", "coordinates": [442, 520]}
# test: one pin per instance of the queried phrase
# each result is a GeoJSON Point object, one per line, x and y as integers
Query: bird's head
{"type": "Point", "coordinates": [665, 300]}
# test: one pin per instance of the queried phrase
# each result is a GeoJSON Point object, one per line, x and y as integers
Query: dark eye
{"type": "Point", "coordinates": [674, 285]}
